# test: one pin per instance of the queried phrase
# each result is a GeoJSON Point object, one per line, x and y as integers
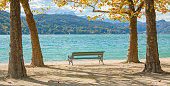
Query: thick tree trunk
{"type": "Point", "coordinates": [37, 58]}
{"type": "Point", "coordinates": [16, 68]}
{"type": "Point", "coordinates": [152, 57]}
{"type": "Point", "coordinates": [132, 55]}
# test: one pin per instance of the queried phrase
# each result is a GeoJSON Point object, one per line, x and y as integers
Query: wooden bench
{"type": "Point", "coordinates": [91, 55]}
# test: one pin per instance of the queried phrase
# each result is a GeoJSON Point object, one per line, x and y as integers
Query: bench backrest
{"type": "Point", "coordinates": [87, 53]}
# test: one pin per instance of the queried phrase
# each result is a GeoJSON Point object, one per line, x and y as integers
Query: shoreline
{"type": "Point", "coordinates": [87, 60]}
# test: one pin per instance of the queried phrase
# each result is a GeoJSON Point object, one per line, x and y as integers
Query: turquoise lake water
{"type": "Point", "coordinates": [58, 47]}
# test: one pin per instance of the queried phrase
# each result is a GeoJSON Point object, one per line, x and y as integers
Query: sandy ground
{"type": "Point", "coordinates": [89, 73]}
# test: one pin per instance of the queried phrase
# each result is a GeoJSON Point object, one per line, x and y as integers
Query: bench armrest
{"type": "Point", "coordinates": [70, 57]}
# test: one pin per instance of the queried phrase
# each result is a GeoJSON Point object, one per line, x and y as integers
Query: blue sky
{"type": "Point", "coordinates": [38, 4]}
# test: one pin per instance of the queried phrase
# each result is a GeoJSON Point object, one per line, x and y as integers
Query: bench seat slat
{"type": "Point", "coordinates": [87, 58]}
{"type": "Point", "coordinates": [89, 52]}
{"type": "Point", "coordinates": [85, 54]}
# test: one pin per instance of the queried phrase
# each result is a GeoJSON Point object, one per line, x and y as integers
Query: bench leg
{"type": "Point", "coordinates": [99, 61]}
{"type": "Point", "coordinates": [102, 61]}
{"type": "Point", "coordinates": [69, 61]}
{"type": "Point", "coordinates": [72, 61]}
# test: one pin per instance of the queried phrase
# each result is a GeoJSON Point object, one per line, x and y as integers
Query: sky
{"type": "Point", "coordinates": [38, 4]}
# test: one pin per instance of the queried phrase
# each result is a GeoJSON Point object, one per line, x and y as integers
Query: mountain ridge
{"type": "Point", "coordinates": [71, 24]}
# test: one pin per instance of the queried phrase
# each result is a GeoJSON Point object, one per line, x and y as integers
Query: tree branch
{"type": "Point", "coordinates": [101, 11]}
{"type": "Point", "coordinates": [94, 10]}
{"type": "Point", "coordinates": [140, 6]}
{"type": "Point", "coordinates": [131, 5]}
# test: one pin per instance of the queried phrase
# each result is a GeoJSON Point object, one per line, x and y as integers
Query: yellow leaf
{"type": "Point", "coordinates": [80, 11]}
{"type": "Point", "coordinates": [42, 9]}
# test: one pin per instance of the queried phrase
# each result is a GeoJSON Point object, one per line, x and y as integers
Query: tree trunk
{"type": "Point", "coordinates": [37, 58]}
{"type": "Point", "coordinates": [16, 68]}
{"type": "Point", "coordinates": [132, 55]}
{"type": "Point", "coordinates": [152, 56]}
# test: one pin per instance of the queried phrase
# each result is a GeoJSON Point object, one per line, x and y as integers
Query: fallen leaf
{"type": "Point", "coordinates": [140, 75]}
{"type": "Point", "coordinates": [93, 78]}
{"type": "Point", "coordinates": [9, 82]}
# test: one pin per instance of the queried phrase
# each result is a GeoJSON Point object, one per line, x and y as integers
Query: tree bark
{"type": "Point", "coordinates": [152, 56]}
{"type": "Point", "coordinates": [37, 58]}
{"type": "Point", "coordinates": [16, 68]}
{"type": "Point", "coordinates": [132, 55]}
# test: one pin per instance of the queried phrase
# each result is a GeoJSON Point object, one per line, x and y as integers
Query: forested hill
{"type": "Point", "coordinates": [65, 24]}
{"type": "Point", "coordinates": [162, 26]}
{"type": "Point", "coordinates": [4, 22]}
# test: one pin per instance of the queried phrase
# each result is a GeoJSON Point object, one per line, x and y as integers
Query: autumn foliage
{"type": "Point", "coordinates": [116, 9]}
{"type": "Point", "coordinates": [3, 4]}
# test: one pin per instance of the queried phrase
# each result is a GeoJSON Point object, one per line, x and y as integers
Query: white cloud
{"type": "Point", "coordinates": [38, 4]}
{"type": "Point", "coordinates": [159, 16]}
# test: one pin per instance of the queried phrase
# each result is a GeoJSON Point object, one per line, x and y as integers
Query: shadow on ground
{"type": "Point", "coordinates": [3, 74]}
{"type": "Point", "coordinates": [99, 75]}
